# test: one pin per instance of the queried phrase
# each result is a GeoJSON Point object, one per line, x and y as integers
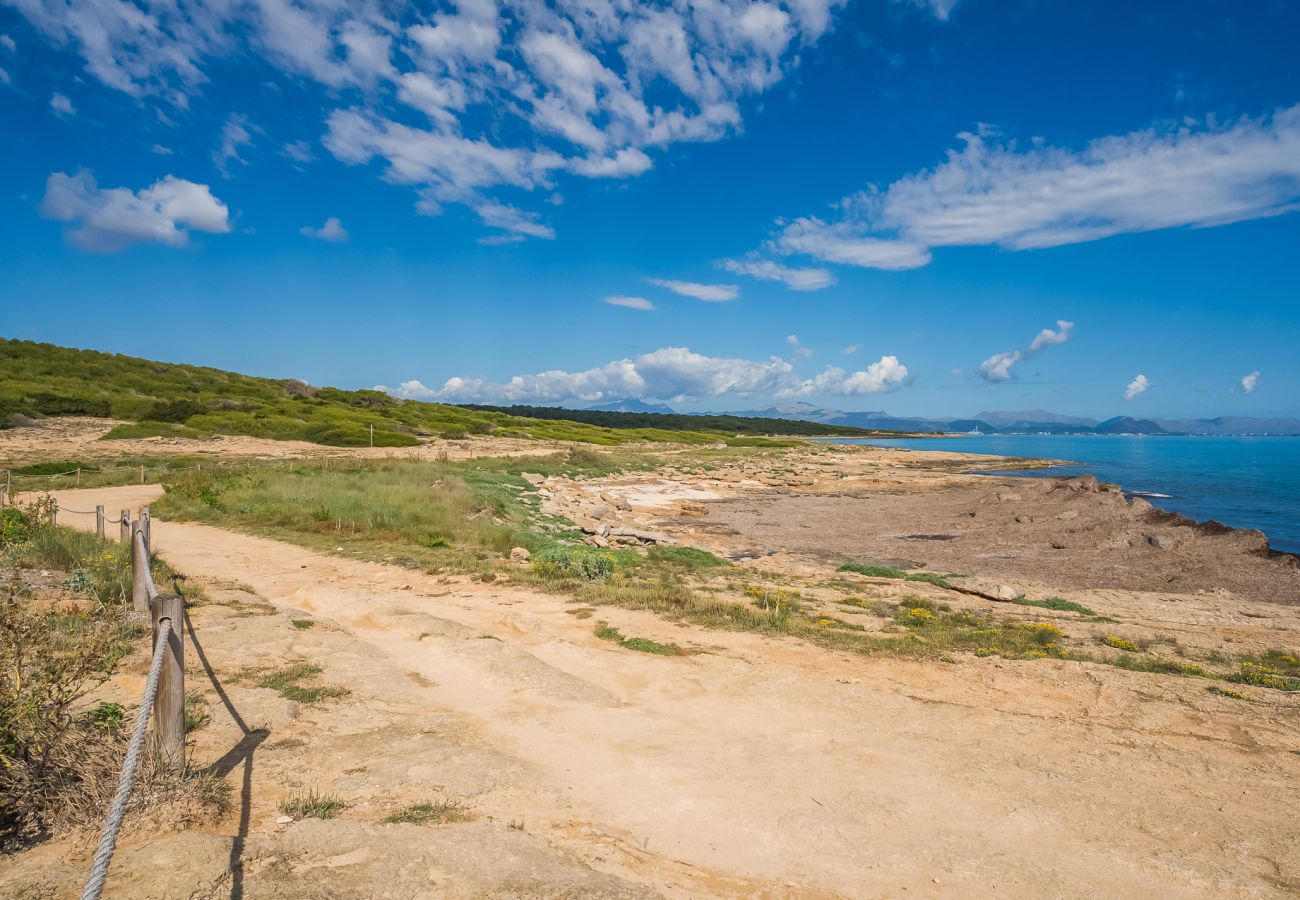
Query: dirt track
{"type": "Point", "coordinates": [757, 768]}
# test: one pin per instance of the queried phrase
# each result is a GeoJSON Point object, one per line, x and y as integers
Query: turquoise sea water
{"type": "Point", "coordinates": [1246, 482]}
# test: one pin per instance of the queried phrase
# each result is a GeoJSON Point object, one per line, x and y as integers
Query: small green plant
{"type": "Point", "coordinates": [196, 712]}
{"type": "Point", "coordinates": [1225, 692]}
{"type": "Point", "coordinates": [641, 645]}
{"type": "Point", "coordinates": [433, 541]}
{"type": "Point", "coordinates": [286, 682]}
{"type": "Point", "coordinates": [439, 813]}
{"type": "Point", "coordinates": [312, 805]}
{"type": "Point", "coordinates": [873, 571]}
{"type": "Point", "coordinates": [107, 717]}
{"type": "Point", "coordinates": [1057, 603]}
{"type": "Point", "coordinates": [1120, 643]}
{"type": "Point", "coordinates": [574, 563]}
{"type": "Point", "coordinates": [686, 557]}
{"type": "Point", "coordinates": [302, 624]}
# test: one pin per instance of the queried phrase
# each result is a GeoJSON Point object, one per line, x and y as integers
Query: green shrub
{"type": "Point", "coordinates": [574, 563]}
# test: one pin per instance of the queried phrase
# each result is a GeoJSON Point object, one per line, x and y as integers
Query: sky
{"type": "Point", "coordinates": [927, 207]}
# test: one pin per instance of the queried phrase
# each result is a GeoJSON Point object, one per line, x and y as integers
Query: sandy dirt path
{"type": "Point", "coordinates": [773, 768]}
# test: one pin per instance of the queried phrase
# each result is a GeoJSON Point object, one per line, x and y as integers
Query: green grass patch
{"type": "Point", "coordinates": [442, 812]}
{"type": "Point", "coordinates": [873, 571]}
{"type": "Point", "coordinates": [686, 557]}
{"type": "Point", "coordinates": [302, 624]}
{"type": "Point", "coordinates": [287, 682]}
{"type": "Point", "coordinates": [1056, 603]}
{"type": "Point", "coordinates": [313, 805]}
{"type": "Point", "coordinates": [641, 645]}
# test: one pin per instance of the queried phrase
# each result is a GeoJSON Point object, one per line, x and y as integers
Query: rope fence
{"type": "Point", "coordinates": [163, 701]}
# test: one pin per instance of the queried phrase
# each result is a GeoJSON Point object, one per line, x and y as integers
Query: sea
{"type": "Point", "coordinates": [1245, 482]}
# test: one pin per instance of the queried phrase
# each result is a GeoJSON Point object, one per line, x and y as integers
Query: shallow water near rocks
{"type": "Point", "coordinates": [1245, 482]}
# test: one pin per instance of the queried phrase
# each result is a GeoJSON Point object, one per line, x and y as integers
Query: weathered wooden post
{"type": "Point", "coordinates": [139, 570]}
{"type": "Point", "coordinates": [169, 703]}
{"type": "Point", "coordinates": [54, 512]}
{"type": "Point", "coordinates": [142, 473]}
{"type": "Point", "coordinates": [125, 521]}
{"type": "Point", "coordinates": [78, 476]}
{"type": "Point", "coordinates": [99, 521]}
{"type": "Point", "coordinates": [144, 526]}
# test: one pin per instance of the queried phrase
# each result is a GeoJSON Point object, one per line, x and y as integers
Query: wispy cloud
{"type": "Point", "coordinates": [668, 374]}
{"type": "Point", "coordinates": [234, 135]}
{"type": "Point", "coordinates": [629, 302]}
{"type": "Point", "coordinates": [460, 101]}
{"type": "Point", "coordinates": [106, 220]}
{"type": "Point", "coordinates": [851, 349]}
{"type": "Point", "coordinates": [993, 192]}
{"type": "Point", "coordinates": [1137, 387]}
{"type": "Point", "coordinates": [999, 367]}
{"type": "Point", "coordinates": [1249, 382]}
{"type": "Point", "coordinates": [798, 349]}
{"type": "Point", "coordinates": [710, 293]}
{"type": "Point", "coordinates": [797, 279]}
{"type": "Point", "coordinates": [62, 106]}
{"type": "Point", "coordinates": [332, 231]}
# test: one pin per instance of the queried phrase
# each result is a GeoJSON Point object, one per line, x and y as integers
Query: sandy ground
{"type": "Point", "coordinates": [754, 768]}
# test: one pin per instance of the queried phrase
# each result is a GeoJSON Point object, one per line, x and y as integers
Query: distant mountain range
{"type": "Point", "coordinates": [1028, 421]}
{"type": "Point", "coordinates": [1031, 421]}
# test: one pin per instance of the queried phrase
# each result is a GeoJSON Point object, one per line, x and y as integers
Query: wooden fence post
{"type": "Point", "coordinates": [139, 572]}
{"type": "Point", "coordinates": [78, 476]}
{"type": "Point", "coordinates": [99, 522]}
{"type": "Point", "coordinates": [126, 526]}
{"type": "Point", "coordinates": [54, 512]}
{"type": "Point", "coordinates": [169, 703]}
{"type": "Point", "coordinates": [145, 523]}
{"type": "Point", "coordinates": [142, 473]}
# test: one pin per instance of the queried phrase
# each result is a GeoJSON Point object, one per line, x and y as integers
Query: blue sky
{"type": "Point", "coordinates": [932, 208]}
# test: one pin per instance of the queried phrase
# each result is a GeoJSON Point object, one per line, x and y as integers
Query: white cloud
{"type": "Point", "coordinates": [1137, 387]}
{"type": "Point", "coordinates": [332, 231]}
{"type": "Point", "coordinates": [8, 43]}
{"type": "Point", "coordinates": [998, 367]}
{"type": "Point", "coordinates": [668, 374]}
{"type": "Point", "coordinates": [594, 88]}
{"type": "Point", "coordinates": [61, 105]}
{"type": "Point", "coordinates": [710, 293]}
{"type": "Point", "coordinates": [851, 349]}
{"type": "Point", "coordinates": [298, 151]}
{"type": "Point", "coordinates": [234, 134]}
{"type": "Point", "coordinates": [4, 77]}
{"type": "Point", "coordinates": [992, 192]}
{"type": "Point", "coordinates": [799, 351]}
{"type": "Point", "coordinates": [160, 150]}
{"type": "Point", "coordinates": [629, 302]}
{"type": "Point", "coordinates": [796, 279]}
{"type": "Point", "coordinates": [111, 219]}
{"type": "Point", "coordinates": [1249, 382]}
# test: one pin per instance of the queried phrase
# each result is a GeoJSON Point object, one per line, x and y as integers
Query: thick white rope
{"type": "Point", "coordinates": [117, 810]}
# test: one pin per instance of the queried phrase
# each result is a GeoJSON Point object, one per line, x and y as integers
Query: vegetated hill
{"type": "Point", "coordinates": [170, 399]}
{"type": "Point", "coordinates": [726, 424]}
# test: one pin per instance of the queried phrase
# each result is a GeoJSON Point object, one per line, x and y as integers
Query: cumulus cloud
{"type": "Point", "coordinates": [998, 367]}
{"type": "Point", "coordinates": [106, 220]}
{"type": "Point", "coordinates": [332, 231]}
{"type": "Point", "coordinates": [710, 293]}
{"type": "Point", "coordinates": [1137, 387]}
{"type": "Point", "coordinates": [463, 99]}
{"type": "Point", "coordinates": [797, 279]}
{"type": "Point", "coordinates": [61, 105]}
{"type": "Point", "coordinates": [851, 349]}
{"type": "Point", "coordinates": [670, 374]}
{"type": "Point", "coordinates": [993, 192]}
{"type": "Point", "coordinates": [629, 302]}
{"type": "Point", "coordinates": [1249, 382]}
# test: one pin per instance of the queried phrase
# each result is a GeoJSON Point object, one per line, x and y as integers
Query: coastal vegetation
{"type": "Point", "coordinates": [64, 632]}
{"type": "Point", "coordinates": [158, 399]}
{"type": "Point", "coordinates": [738, 425]}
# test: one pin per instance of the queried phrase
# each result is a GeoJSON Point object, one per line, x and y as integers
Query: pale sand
{"type": "Point", "coordinates": [760, 768]}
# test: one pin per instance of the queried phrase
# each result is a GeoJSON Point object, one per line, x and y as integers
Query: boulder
{"type": "Point", "coordinates": [532, 478]}
{"type": "Point", "coordinates": [1005, 593]}
{"type": "Point", "coordinates": [520, 554]}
